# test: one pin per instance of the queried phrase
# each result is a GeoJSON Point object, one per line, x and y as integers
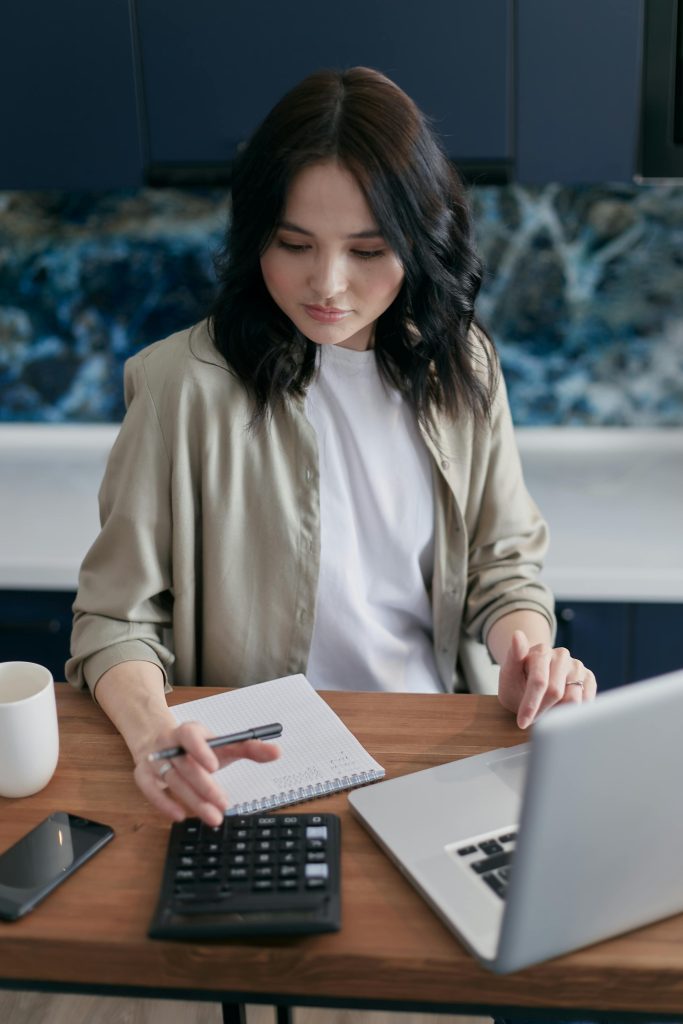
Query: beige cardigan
{"type": "Point", "coordinates": [207, 561]}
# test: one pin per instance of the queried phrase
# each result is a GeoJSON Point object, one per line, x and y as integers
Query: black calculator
{"type": "Point", "coordinates": [260, 874]}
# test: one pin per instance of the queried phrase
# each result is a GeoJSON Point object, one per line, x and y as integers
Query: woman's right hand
{"type": "Point", "coordinates": [132, 695]}
{"type": "Point", "coordinates": [187, 787]}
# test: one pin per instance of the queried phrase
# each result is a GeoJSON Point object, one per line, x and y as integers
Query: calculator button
{"type": "Point", "coordinates": [289, 844]}
{"type": "Point", "coordinates": [264, 858]}
{"type": "Point", "coordinates": [316, 871]}
{"type": "Point", "coordinates": [289, 858]}
{"type": "Point", "coordinates": [263, 872]}
{"type": "Point", "coordinates": [183, 874]}
{"type": "Point", "coordinates": [315, 883]}
{"type": "Point", "coordinates": [185, 896]}
{"type": "Point", "coordinates": [315, 844]}
{"type": "Point", "coordinates": [464, 851]}
{"type": "Point", "coordinates": [203, 893]}
{"type": "Point", "coordinates": [266, 822]}
{"type": "Point", "coordinates": [209, 873]}
{"type": "Point", "coordinates": [262, 885]}
{"type": "Point", "coordinates": [237, 873]}
{"type": "Point", "coordinates": [290, 819]}
{"type": "Point", "coordinates": [509, 837]}
{"type": "Point", "coordinates": [316, 856]}
{"type": "Point", "coordinates": [264, 844]}
{"type": "Point", "coordinates": [212, 831]}
{"type": "Point", "coordinates": [290, 833]}
{"type": "Point", "coordinates": [238, 858]}
{"type": "Point", "coordinates": [287, 883]}
{"type": "Point", "coordinates": [315, 819]}
{"type": "Point", "coordinates": [288, 871]}
{"type": "Point", "coordinates": [316, 832]}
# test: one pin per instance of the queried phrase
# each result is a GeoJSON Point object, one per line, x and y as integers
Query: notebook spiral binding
{"type": "Point", "coordinates": [301, 793]}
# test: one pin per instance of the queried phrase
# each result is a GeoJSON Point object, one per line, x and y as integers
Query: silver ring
{"type": "Point", "coordinates": [163, 770]}
{"type": "Point", "coordinates": [570, 682]}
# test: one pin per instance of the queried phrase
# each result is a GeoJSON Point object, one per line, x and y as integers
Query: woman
{"type": "Point", "coordinates": [322, 477]}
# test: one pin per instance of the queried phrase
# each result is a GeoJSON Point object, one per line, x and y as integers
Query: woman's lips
{"type": "Point", "coordinates": [326, 315]}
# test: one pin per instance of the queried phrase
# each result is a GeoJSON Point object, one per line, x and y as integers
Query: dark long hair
{"type": "Point", "coordinates": [427, 343]}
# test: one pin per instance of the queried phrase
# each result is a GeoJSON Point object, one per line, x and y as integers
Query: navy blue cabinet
{"type": "Point", "coordinates": [211, 71]}
{"type": "Point", "coordinates": [548, 90]}
{"type": "Point", "coordinates": [113, 93]}
{"type": "Point", "coordinates": [68, 107]}
{"type": "Point", "coordinates": [622, 643]}
{"type": "Point", "coordinates": [597, 634]}
{"type": "Point", "coordinates": [657, 639]}
{"type": "Point", "coordinates": [35, 625]}
{"type": "Point", "coordinates": [577, 103]}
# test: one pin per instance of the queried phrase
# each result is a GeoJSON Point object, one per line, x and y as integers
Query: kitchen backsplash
{"type": "Point", "coordinates": [583, 296]}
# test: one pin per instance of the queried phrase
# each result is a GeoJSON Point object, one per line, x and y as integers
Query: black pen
{"type": "Point", "coordinates": [260, 732]}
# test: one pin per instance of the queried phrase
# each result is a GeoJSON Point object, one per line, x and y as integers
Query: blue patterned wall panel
{"type": "Point", "coordinates": [583, 295]}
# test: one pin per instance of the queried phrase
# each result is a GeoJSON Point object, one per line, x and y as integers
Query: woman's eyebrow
{"type": "Point", "coordinates": [287, 225]}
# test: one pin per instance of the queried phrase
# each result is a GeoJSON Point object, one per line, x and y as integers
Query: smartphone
{"type": "Point", "coordinates": [44, 857]}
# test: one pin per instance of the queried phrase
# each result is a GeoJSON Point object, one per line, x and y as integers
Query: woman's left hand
{"type": "Point", "coordinates": [534, 678]}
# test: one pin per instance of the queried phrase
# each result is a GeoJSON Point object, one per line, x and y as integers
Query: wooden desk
{"type": "Point", "coordinates": [392, 951]}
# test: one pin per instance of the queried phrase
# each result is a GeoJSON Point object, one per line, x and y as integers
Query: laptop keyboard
{"type": "Point", "coordinates": [489, 857]}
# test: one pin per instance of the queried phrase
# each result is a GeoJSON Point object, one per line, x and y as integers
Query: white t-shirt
{"type": "Point", "coordinates": [373, 616]}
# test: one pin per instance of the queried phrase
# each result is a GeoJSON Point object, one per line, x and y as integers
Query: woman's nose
{"type": "Point", "coordinates": [328, 277]}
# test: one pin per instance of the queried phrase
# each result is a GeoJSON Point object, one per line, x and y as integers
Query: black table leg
{"type": "Point", "coordinates": [234, 1013]}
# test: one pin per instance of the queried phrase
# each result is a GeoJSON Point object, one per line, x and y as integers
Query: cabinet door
{"type": "Point", "coordinates": [36, 626]}
{"type": "Point", "coordinates": [658, 639]}
{"type": "Point", "coordinates": [577, 70]}
{"type": "Point", "coordinates": [67, 95]}
{"type": "Point", "coordinates": [598, 634]}
{"type": "Point", "coordinates": [212, 71]}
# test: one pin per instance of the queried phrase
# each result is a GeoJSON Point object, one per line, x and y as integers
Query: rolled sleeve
{"type": "Point", "coordinates": [508, 536]}
{"type": "Point", "coordinates": [124, 605]}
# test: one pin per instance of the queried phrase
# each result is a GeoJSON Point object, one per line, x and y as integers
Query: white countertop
{"type": "Point", "coordinates": [613, 499]}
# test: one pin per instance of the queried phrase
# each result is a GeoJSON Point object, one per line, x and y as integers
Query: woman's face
{"type": "Point", "coordinates": [328, 267]}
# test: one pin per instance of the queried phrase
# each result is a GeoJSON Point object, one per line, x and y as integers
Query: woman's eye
{"type": "Point", "coordinates": [291, 247]}
{"type": "Point", "coordinates": [369, 254]}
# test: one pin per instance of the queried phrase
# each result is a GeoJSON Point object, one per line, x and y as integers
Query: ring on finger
{"type": "Point", "coordinates": [573, 682]}
{"type": "Point", "coordinates": [164, 770]}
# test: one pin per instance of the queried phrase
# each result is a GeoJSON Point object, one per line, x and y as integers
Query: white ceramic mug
{"type": "Point", "coordinates": [29, 736]}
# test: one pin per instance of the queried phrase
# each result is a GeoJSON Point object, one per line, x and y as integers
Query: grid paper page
{"type": "Point", "coordinates": [319, 754]}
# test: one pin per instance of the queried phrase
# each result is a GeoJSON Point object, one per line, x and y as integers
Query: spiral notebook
{"type": "Point", "coordinates": [319, 754]}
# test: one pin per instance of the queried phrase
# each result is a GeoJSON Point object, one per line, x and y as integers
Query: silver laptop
{"type": "Point", "coordinates": [532, 851]}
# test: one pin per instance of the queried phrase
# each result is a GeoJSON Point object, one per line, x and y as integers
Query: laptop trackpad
{"type": "Point", "coordinates": [511, 769]}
